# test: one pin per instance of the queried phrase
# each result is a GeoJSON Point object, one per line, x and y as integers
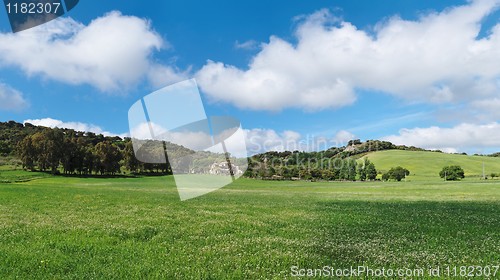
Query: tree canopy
{"type": "Point", "coordinates": [452, 173]}
{"type": "Point", "coordinates": [396, 173]}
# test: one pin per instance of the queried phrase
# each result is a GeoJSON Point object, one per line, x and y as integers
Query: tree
{"type": "Point", "coordinates": [69, 156]}
{"type": "Point", "coordinates": [351, 163]}
{"type": "Point", "coordinates": [108, 158]}
{"type": "Point", "coordinates": [362, 170]}
{"type": "Point", "coordinates": [344, 170]}
{"type": "Point", "coordinates": [367, 170]}
{"type": "Point", "coordinates": [452, 173]}
{"type": "Point", "coordinates": [48, 148]}
{"type": "Point", "coordinates": [371, 171]}
{"type": "Point", "coordinates": [396, 173]}
{"type": "Point", "coordinates": [131, 162]}
{"type": "Point", "coordinates": [27, 153]}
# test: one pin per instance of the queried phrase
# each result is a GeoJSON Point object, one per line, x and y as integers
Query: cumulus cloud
{"type": "Point", "coordinates": [111, 53]}
{"type": "Point", "coordinates": [195, 140]}
{"type": "Point", "coordinates": [462, 137]}
{"type": "Point", "coordinates": [77, 126]}
{"type": "Point", "coordinates": [11, 99]}
{"type": "Point", "coordinates": [160, 75]}
{"type": "Point", "coordinates": [436, 58]}
{"type": "Point", "coordinates": [487, 109]}
{"type": "Point", "coordinates": [265, 140]}
{"type": "Point", "coordinates": [344, 136]}
{"type": "Point", "coordinates": [257, 140]}
{"type": "Point", "coordinates": [144, 130]}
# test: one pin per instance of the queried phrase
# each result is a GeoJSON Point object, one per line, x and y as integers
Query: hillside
{"type": "Point", "coordinates": [426, 165]}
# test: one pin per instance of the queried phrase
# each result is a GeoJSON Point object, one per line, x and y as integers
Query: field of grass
{"type": "Point", "coordinates": [426, 165]}
{"type": "Point", "coordinates": [121, 228]}
{"type": "Point", "coordinates": [17, 176]}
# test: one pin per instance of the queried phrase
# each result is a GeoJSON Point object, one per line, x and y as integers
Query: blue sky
{"type": "Point", "coordinates": [413, 72]}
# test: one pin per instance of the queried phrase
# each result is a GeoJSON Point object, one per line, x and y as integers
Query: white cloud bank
{"type": "Point", "coordinates": [11, 99]}
{"type": "Point", "coordinates": [265, 140]}
{"type": "Point", "coordinates": [77, 126]}
{"type": "Point", "coordinates": [257, 140]}
{"type": "Point", "coordinates": [437, 58]}
{"type": "Point", "coordinates": [111, 53]}
{"type": "Point", "coordinates": [463, 137]}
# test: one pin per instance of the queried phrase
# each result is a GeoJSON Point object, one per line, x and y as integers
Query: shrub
{"type": "Point", "coordinates": [452, 173]}
{"type": "Point", "coordinates": [396, 173]}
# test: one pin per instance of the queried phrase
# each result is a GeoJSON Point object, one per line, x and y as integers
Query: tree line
{"type": "Point", "coordinates": [69, 152]}
{"type": "Point", "coordinates": [84, 153]}
{"type": "Point", "coordinates": [309, 166]}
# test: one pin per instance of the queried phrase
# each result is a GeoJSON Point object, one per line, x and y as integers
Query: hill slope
{"type": "Point", "coordinates": [426, 165]}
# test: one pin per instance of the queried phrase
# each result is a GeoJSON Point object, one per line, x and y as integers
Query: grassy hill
{"type": "Point", "coordinates": [426, 165]}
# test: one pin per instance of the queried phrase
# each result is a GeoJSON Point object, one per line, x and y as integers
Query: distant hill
{"type": "Point", "coordinates": [420, 162]}
{"type": "Point", "coordinates": [426, 164]}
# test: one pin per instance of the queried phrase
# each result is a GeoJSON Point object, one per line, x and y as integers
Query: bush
{"type": "Point", "coordinates": [452, 173]}
{"type": "Point", "coordinates": [396, 173]}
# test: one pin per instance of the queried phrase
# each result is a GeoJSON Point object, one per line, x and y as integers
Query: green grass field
{"type": "Point", "coordinates": [120, 228]}
{"type": "Point", "coordinates": [426, 165]}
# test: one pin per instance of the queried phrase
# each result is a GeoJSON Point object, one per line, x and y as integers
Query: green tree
{"type": "Point", "coordinates": [131, 162]}
{"type": "Point", "coordinates": [27, 153]}
{"type": "Point", "coordinates": [396, 173]}
{"type": "Point", "coordinates": [351, 163]}
{"type": "Point", "coordinates": [69, 156]}
{"type": "Point", "coordinates": [108, 158]}
{"type": "Point", "coordinates": [89, 160]}
{"type": "Point", "coordinates": [371, 171]}
{"type": "Point", "coordinates": [366, 170]}
{"type": "Point", "coordinates": [344, 170]}
{"type": "Point", "coordinates": [452, 173]}
{"type": "Point", "coordinates": [48, 148]}
{"type": "Point", "coordinates": [362, 170]}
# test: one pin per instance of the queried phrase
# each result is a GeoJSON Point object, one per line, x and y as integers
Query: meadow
{"type": "Point", "coordinates": [424, 165]}
{"type": "Point", "coordinates": [120, 228]}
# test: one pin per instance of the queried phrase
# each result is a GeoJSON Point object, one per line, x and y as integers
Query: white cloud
{"type": "Point", "coordinates": [160, 75]}
{"type": "Point", "coordinates": [77, 126]}
{"type": "Point", "coordinates": [487, 109]}
{"type": "Point", "coordinates": [343, 136]}
{"type": "Point", "coordinates": [463, 137]}
{"type": "Point", "coordinates": [195, 140]}
{"type": "Point", "coordinates": [437, 58]}
{"type": "Point", "coordinates": [111, 53]}
{"type": "Point", "coordinates": [247, 45]}
{"type": "Point", "coordinates": [11, 99]}
{"type": "Point", "coordinates": [265, 140]}
{"type": "Point", "coordinates": [143, 131]}
{"type": "Point", "coordinates": [257, 140]}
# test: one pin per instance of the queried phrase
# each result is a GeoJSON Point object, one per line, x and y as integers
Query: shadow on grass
{"type": "Point", "coordinates": [409, 234]}
{"type": "Point", "coordinates": [98, 176]}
